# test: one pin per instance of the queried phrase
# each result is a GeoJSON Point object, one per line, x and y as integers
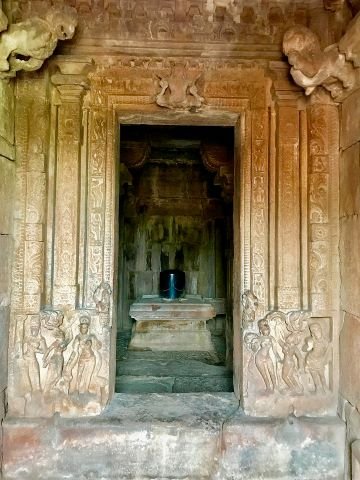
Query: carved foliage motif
{"type": "Point", "coordinates": [319, 206]}
{"type": "Point", "coordinates": [96, 206]}
{"type": "Point", "coordinates": [259, 205]}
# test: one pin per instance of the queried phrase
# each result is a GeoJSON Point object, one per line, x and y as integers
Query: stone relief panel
{"type": "Point", "coordinates": [62, 363]}
{"type": "Point", "coordinates": [288, 364]}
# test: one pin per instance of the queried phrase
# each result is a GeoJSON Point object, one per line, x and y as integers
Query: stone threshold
{"type": "Point", "coordinates": [194, 436]}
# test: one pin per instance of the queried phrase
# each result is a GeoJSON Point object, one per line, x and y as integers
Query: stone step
{"type": "Point", "coordinates": [173, 436]}
{"type": "Point", "coordinates": [166, 375]}
{"type": "Point", "coordinates": [182, 384]}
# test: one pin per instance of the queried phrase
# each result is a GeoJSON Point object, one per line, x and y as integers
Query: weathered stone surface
{"type": "Point", "coordinates": [137, 436]}
{"type": "Point", "coordinates": [349, 184]}
{"type": "Point", "coordinates": [294, 448]}
{"type": "Point", "coordinates": [349, 350]}
{"type": "Point", "coordinates": [7, 172]}
{"type": "Point", "coordinates": [350, 108]}
{"type": "Point", "coordinates": [350, 267]}
{"type": "Point", "coordinates": [4, 335]}
{"type": "Point", "coordinates": [355, 460]}
{"type": "Point", "coordinates": [177, 437]}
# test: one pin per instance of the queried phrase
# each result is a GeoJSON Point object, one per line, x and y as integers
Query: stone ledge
{"type": "Point", "coordinates": [173, 436]}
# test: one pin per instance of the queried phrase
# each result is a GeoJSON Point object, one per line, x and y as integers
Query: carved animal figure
{"type": "Point", "coordinates": [26, 45]}
{"type": "Point", "coordinates": [312, 67]}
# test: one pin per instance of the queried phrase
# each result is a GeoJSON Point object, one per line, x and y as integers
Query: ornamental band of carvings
{"type": "Point", "coordinates": [26, 45]}
{"type": "Point", "coordinates": [335, 68]}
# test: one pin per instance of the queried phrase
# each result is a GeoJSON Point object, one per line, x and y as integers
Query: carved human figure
{"type": "Point", "coordinates": [26, 45]}
{"type": "Point", "coordinates": [312, 67]}
{"type": "Point", "coordinates": [250, 304]}
{"type": "Point", "coordinates": [53, 359]}
{"type": "Point", "coordinates": [263, 357]}
{"type": "Point", "coordinates": [318, 356]}
{"type": "Point", "coordinates": [292, 362]}
{"type": "Point", "coordinates": [102, 297]}
{"type": "Point", "coordinates": [34, 343]}
{"type": "Point", "coordinates": [85, 355]}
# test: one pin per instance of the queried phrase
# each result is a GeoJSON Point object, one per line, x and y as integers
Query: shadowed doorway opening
{"type": "Point", "coordinates": [175, 212]}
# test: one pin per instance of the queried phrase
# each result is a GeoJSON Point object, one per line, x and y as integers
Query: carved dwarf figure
{"type": "Point", "coordinates": [85, 355]}
{"type": "Point", "coordinates": [250, 304]}
{"type": "Point", "coordinates": [34, 343]}
{"type": "Point", "coordinates": [312, 67]}
{"type": "Point", "coordinates": [102, 297]}
{"type": "Point", "coordinates": [318, 356]}
{"type": "Point", "coordinates": [26, 45]}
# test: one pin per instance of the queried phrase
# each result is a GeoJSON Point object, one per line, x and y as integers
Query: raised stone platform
{"type": "Point", "coordinates": [173, 436]}
{"type": "Point", "coordinates": [179, 325]}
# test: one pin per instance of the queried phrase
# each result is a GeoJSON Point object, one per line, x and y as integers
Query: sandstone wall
{"type": "Point", "coordinates": [7, 176]}
{"type": "Point", "coordinates": [350, 272]}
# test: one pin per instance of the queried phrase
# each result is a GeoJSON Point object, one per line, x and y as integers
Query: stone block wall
{"type": "Point", "coordinates": [350, 274]}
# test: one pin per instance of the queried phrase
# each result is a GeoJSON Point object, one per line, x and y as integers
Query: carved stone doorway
{"type": "Point", "coordinates": [192, 160]}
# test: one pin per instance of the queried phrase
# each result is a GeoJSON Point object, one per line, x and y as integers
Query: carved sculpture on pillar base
{"type": "Point", "coordinates": [336, 68]}
{"type": "Point", "coordinates": [26, 45]}
{"type": "Point", "coordinates": [288, 364]}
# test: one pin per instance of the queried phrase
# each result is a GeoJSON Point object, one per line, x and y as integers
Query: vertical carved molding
{"type": "Point", "coordinates": [67, 194]}
{"type": "Point", "coordinates": [97, 144]}
{"type": "Point", "coordinates": [288, 208]}
{"type": "Point", "coordinates": [28, 272]}
{"type": "Point", "coordinates": [259, 207]}
{"type": "Point", "coordinates": [323, 142]}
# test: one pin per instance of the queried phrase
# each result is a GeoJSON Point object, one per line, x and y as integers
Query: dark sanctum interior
{"type": "Point", "coordinates": [176, 187]}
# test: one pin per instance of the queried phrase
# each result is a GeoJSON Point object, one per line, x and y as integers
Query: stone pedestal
{"type": "Point", "coordinates": [179, 325]}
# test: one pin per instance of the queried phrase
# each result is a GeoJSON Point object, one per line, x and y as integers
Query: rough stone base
{"type": "Point", "coordinates": [173, 436]}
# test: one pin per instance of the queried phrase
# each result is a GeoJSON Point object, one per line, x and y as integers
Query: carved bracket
{"type": "Point", "coordinates": [335, 68]}
{"type": "Point", "coordinates": [26, 45]}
